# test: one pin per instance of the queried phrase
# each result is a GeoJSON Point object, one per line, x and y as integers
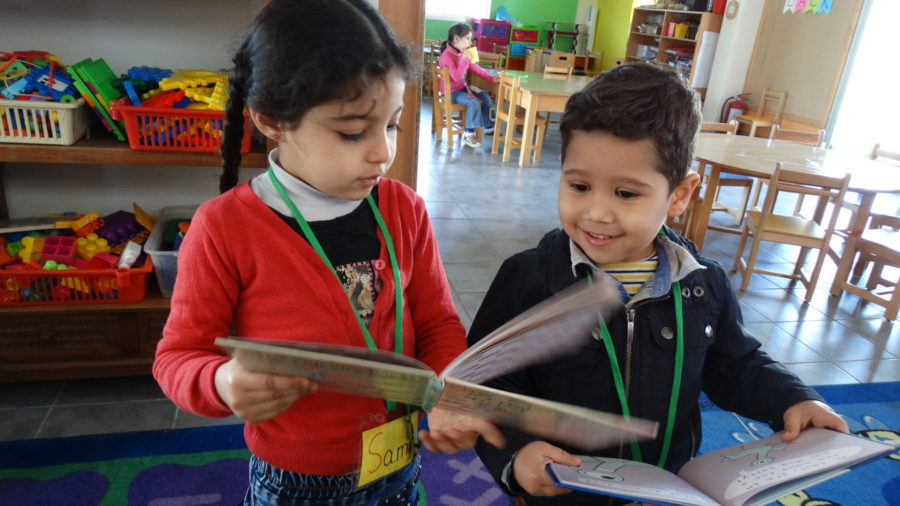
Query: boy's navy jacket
{"type": "Point", "coordinates": [720, 357]}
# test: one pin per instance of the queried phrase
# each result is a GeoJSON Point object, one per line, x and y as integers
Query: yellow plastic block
{"type": "Point", "coordinates": [191, 79]}
{"type": "Point", "coordinates": [216, 99]}
{"type": "Point", "coordinates": [91, 245]}
{"type": "Point", "coordinates": [32, 247]}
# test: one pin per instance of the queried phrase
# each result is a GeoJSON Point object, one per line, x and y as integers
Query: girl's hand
{"type": "Point", "coordinates": [451, 430]}
{"type": "Point", "coordinates": [529, 468]}
{"type": "Point", "coordinates": [257, 397]}
{"type": "Point", "coordinates": [806, 413]}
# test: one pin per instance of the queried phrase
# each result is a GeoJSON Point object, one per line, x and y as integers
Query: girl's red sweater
{"type": "Point", "coordinates": [241, 264]}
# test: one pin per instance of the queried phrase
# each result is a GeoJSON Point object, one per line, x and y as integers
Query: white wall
{"type": "Point", "coordinates": [198, 34]}
{"type": "Point", "coordinates": [736, 40]}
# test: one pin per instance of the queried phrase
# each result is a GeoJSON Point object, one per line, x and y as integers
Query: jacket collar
{"type": "Point", "coordinates": [675, 263]}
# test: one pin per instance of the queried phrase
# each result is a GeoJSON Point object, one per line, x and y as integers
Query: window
{"type": "Point", "coordinates": [457, 10]}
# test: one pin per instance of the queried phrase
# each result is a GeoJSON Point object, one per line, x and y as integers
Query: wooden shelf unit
{"type": "Point", "coordinates": [48, 342]}
{"type": "Point", "coordinates": [705, 22]}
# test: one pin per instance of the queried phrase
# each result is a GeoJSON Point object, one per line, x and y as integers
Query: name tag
{"type": "Point", "coordinates": [388, 448]}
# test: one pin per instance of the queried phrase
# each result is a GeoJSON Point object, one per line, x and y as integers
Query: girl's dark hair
{"type": "Point", "coordinates": [301, 53]}
{"type": "Point", "coordinates": [639, 101]}
{"type": "Point", "coordinates": [456, 30]}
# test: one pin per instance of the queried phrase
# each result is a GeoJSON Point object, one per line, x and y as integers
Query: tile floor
{"type": "Point", "coordinates": [483, 211]}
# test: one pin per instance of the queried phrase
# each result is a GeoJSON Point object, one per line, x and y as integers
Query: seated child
{"type": "Point", "coordinates": [627, 144]}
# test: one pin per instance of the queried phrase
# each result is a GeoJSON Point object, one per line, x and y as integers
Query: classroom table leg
{"type": "Point", "coordinates": [528, 129]}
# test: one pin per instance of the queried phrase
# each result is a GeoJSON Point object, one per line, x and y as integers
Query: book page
{"type": "Point", "coordinates": [737, 474]}
{"type": "Point", "coordinates": [551, 329]}
{"type": "Point", "coordinates": [344, 369]}
{"type": "Point", "coordinates": [627, 479]}
{"type": "Point", "coordinates": [573, 425]}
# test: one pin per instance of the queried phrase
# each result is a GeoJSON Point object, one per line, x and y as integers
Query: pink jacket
{"type": "Point", "coordinates": [458, 65]}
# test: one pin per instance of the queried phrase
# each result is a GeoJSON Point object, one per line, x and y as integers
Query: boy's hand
{"type": "Point", "coordinates": [529, 465]}
{"type": "Point", "coordinates": [450, 430]}
{"type": "Point", "coordinates": [257, 397]}
{"type": "Point", "coordinates": [806, 413]}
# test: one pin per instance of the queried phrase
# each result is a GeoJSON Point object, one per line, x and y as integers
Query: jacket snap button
{"type": "Point", "coordinates": [667, 333]}
{"type": "Point", "coordinates": [708, 330]}
{"type": "Point", "coordinates": [379, 264]}
{"type": "Point", "coordinates": [686, 292]}
{"type": "Point", "coordinates": [698, 291]}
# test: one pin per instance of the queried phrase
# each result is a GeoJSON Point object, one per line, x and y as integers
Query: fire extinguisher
{"type": "Point", "coordinates": [733, 106]}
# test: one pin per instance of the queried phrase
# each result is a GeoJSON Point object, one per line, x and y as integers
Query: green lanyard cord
{"type": "Point", "coordinates": [398, 292]}
{"type": "Point", "coordinates": [676, 379]}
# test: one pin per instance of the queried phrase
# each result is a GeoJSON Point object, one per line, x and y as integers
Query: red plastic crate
{"type": "Point", "coordinates": [78, 286]}
{"type": "Point", "coordinates": [486, 44]}
{"type": "Point", "coordinates": [524, 35]}
{"type": "Point", "coordinates": [173, 129]}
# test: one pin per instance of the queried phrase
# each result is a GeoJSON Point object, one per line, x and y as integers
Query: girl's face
{"type": "Point", "coordinates": [345, 147]}
{"type": "Point", "coordinates": [461, 43]}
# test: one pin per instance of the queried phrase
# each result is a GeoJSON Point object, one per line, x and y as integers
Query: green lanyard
{"type": "Point", "coordinates": [676, 379]}
{"type": "Point", "coordinates": [398, 293]}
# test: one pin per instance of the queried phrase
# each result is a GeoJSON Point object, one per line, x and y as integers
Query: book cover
{"type": "Point", "coordinates": [549, 330]}
{"type": "Point", "coordinates": [747, 474]}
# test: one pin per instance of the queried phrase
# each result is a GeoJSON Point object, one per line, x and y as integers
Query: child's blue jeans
{"type": "Point", "coordinates": [478, 108]}
{"type": "Point", "coordinates": [271, 486]}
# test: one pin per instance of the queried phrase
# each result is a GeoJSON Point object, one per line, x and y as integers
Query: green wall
{"type": "Point", "coordinates": [529, 12]}
{"type": "Point", "coordinates": [613, 26]}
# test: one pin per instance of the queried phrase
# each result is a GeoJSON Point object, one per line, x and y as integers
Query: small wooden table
{"type": "Point", "coordinates": [756, 157]}
{"type": "Point", "coordinates": [537, 94]}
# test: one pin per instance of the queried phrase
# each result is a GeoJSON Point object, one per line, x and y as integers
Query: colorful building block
{"type": "Point", "coordinates": [58, 249]}
{"type": "Point", "coordinates": [91, 245]}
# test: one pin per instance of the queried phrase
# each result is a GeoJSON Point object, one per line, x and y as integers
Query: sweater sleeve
{"type": "Point", "coordinates": [440, 337]}
{"type": "Point", "coordinates": [202, 301]}
{"type": "Point", "coordinates": [478, 69]}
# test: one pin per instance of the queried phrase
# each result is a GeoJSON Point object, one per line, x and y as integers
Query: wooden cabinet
{"type": "Point", "coordinates": [674, 38]}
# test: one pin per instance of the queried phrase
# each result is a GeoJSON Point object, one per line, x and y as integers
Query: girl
{"type": "Point", "coordinates": [324, 79]}
{"type": "Point", "coordinates": [456, 57]}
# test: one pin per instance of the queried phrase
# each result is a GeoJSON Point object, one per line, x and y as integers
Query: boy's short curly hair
{"type": "Point", "coordinates": [639, 101]}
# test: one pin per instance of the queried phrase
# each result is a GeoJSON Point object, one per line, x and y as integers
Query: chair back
{"type": "Point", "coordinates": [489, 60]}
{"type": "Point", "coordinates": [884, 155]}
{"type": "Point", "coordinates": [771, 104]}
{"type": "Point", "coordinates": [729, 128]}
{"type": "Point", "coordinates": [829, 189]}
{"type": "Point", "coordinates": [507, 95]}
{"type": "Point", "coordinates": [550, 71]}
{"type": "Point", "coordinates": [502, 51]}
{"type": "Point", "coordinates": [561, 59]}
{"type": "Point", "coordinates": [812, 138]}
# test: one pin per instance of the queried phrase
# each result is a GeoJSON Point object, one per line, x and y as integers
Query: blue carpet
{"type": "Point", "coordinates": [208, 465]}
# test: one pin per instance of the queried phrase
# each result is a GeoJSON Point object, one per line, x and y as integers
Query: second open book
{"type": "Point", "coordinates": [555, 327]}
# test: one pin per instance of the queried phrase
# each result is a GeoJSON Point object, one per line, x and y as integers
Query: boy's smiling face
{"type": "Point", "coordinates": [612, 199]}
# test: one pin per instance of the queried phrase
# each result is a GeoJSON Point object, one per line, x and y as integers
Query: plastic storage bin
{"type": "Point", "coordinates": [527, 34]}
{"type": "Point", "coordinates": [80, 286]}
{"type": "Point", "coordinates": [173, 129]}
{"type": "Point", "coordinates": [33, 122]}
{"type": "Point", "coordinates": [165, 260]}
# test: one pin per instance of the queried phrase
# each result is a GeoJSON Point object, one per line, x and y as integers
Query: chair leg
{"type": "Point", "coordinates": [814, 279]}
{"type": "Point", "coordinates": [893, 305]}
{"type": "Point", "coordinates": [742, 206]}
{"type": "Point", "coordinates": [495, 143]}
{"type": "Point", "coordinates": [745, 233]}
{"type": "Point", "coordinates": [801, 259]}
{"type": "Point", "coordinates": [508, 139]}
{"type": "Point", "coordinates": [538, 142]}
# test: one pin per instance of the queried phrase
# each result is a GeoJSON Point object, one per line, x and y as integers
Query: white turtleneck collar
{"type": "Point", "coordinates": [312, 203]}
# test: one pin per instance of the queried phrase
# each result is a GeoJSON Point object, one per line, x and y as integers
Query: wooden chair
{"type": "Point", "coordinates": [489, 60]}
{"type": "Point", "coordinates": [589, 60]}
{"type": "Point", "coordinates": [445, 114]}
{"type": "Point", "coordinates": [880, 245]}
{"type": "Point", "coordinates": [768, 112]}
{"type": "Point", "coordinates": [561, 59]}
{"type": "Point", "coordinates": [811, 138]}
{"type": "Point", "coordinates": [503, 51]}
{"type": "Point", "coordinates": [765, 225]}
{"type": "Point", "coordinates": [509, 116]}
{"type": "Point", "coordinates": [744, 182]}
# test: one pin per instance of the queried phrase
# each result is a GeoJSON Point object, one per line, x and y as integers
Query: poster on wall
{"type": "Point", "coordinates": [808, 6]}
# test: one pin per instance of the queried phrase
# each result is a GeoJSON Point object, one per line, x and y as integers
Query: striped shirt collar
{"type": "Point", "coordinates": [675, 262]}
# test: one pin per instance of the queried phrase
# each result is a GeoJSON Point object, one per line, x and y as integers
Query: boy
{"type": "Point", "coordinates": [627, 144]}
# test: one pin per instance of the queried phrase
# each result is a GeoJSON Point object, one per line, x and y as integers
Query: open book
{"type": "Point", "coordinates": [551, 329]}
{"type": "Point", "coordinates": [746, 474]}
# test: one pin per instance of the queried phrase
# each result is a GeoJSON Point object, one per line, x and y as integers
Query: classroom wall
{"type": "Point", "coordinates": [613, 26]}
{"type": "Point", "coordinates": [529, 12]}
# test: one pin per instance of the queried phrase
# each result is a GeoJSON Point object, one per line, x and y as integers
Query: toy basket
{"type": "Point", "coordinates": [173, 129]}
{"type": "Point", "coordinates": [81, 286]}
{"type": "Point", "coordinates": [33, 122]}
